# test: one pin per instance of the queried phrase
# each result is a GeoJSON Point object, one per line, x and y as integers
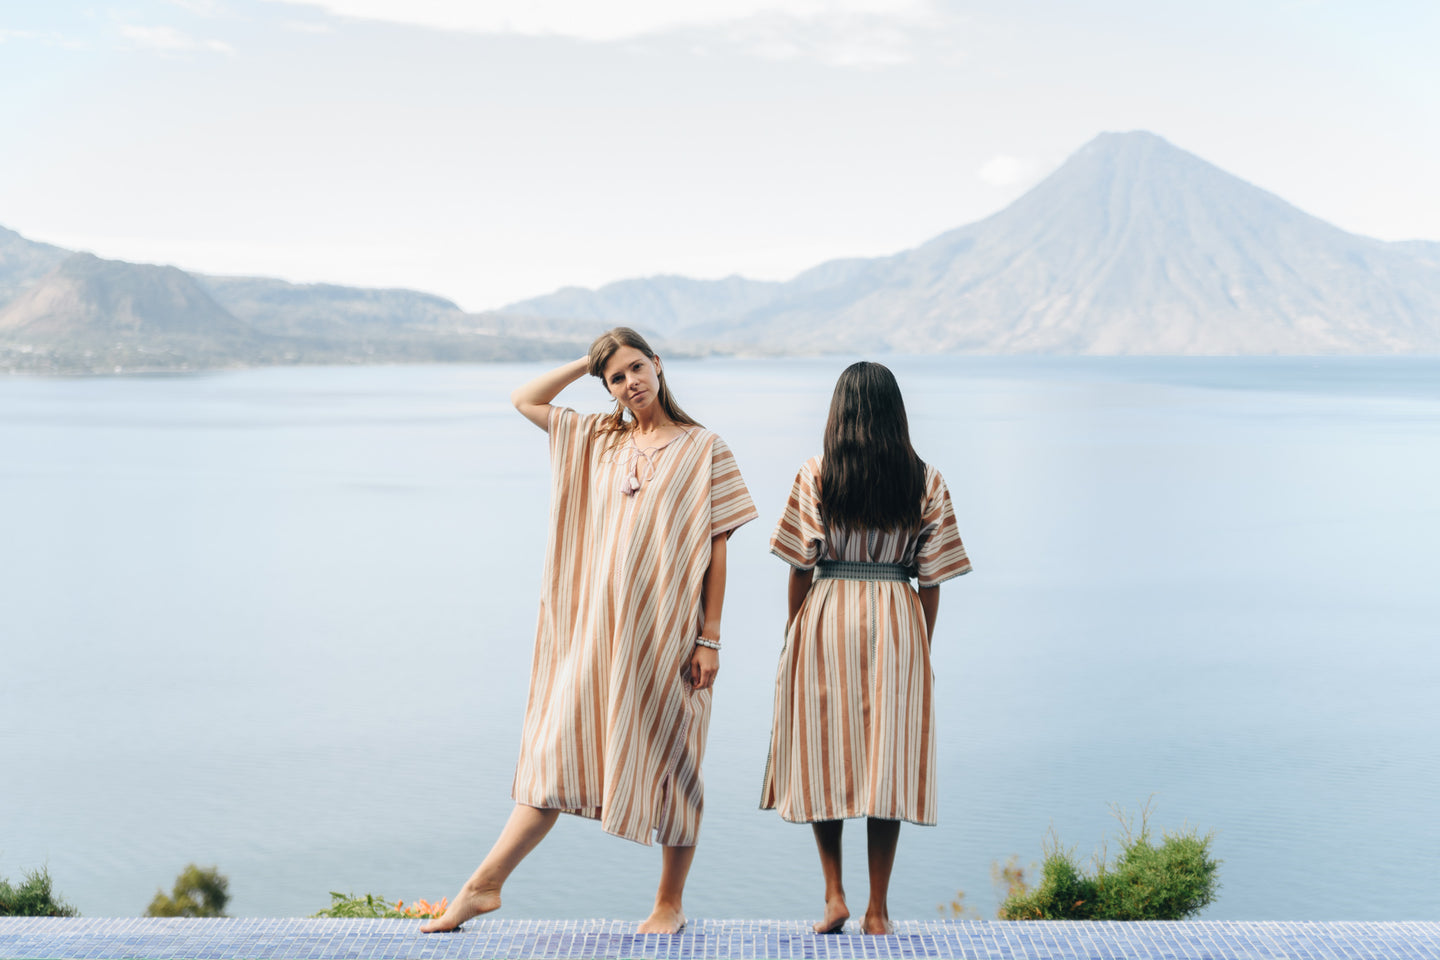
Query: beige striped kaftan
{"type": "Point", "coordinates": [854, 724]}
{"type": "Point", "coordinates": [613, 730]}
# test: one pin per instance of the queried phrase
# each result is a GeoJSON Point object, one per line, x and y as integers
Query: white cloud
{"type": "Point", "coordinates": [207, 8]}
{"type": "Point", "coordinates": [843, 41]}
{"type": "Point", "coordinates": [47, 38]}
{"type": "Point", "coordinates": [170, 40]}
{"type": "Point", "coordinates": [307, 26]}
{"type": "Point", "coordinates": [861, 24]}
{"type": "Point", "coordinates": [1003, 170]}
{"type": "Point", "coordinates": [36, 36]}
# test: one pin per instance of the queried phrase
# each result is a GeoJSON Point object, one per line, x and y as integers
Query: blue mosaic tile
{"type": "Point", "coordinates": [496, 939]}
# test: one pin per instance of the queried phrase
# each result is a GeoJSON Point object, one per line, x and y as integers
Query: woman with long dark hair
{"type": "Point", "coordinates": [643, 500]}
{"type": "Point", "coordinates": [854, 722]}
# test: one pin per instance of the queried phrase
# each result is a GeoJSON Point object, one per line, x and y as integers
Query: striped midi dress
{"type": "Point", "coordinates": [853, 731]}
{"type": "Point", "coordinates": [613, 730]}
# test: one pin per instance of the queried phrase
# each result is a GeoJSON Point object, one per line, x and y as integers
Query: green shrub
{"type": "Point", "coordinates": [34, 897]}
{"type": "Point", "coordinates": [349, 905]}
{"type": "Point", "coordinates": [1171, 881]}
{"type": "Point", "coordinates": [198, 892]}
{"type": "Point", "coordinates": [1064, 892]}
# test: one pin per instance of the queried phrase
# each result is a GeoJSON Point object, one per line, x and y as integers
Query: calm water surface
{"type": "Point", "coordinates": [280, 621]}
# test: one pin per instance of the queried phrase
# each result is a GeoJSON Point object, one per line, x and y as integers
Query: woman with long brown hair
{"type": "Point", "coordinates": [854, 721]}
{"type": "Point", "coordinates": [643, 500]}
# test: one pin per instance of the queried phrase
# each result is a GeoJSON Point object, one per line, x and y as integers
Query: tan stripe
{"type": "Point", "coordinates": [624, 576]}
{"type": "Point", "coordinates": [877, 720]}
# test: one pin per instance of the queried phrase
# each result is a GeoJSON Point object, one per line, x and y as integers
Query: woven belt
{"type": "Point", "coordinates": [858, 570]}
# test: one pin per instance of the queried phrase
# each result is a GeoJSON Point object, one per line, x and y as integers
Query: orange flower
{"type": "Point", "coordinates": [421, 909]}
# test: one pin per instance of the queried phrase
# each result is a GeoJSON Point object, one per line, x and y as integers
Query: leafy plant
{"type": "Point", "coordinates": [1171, 881]}
{"type": "Point", "coordinates": [34, 897]}
{"type": "Point", "coordinates": [198, 892]}
{"type": "Point", "coordinates": [349, 905]}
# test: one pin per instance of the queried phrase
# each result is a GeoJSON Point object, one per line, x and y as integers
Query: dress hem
{"type": "Point", "coordinates": [852, 816]}
{"type": "Point", "coordinates": [649, 840]}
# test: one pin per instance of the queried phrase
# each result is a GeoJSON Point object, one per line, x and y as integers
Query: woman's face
{"type": "Point", "coordinates": [633, 378]}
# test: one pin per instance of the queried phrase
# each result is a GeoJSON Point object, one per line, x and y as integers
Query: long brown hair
{"type": "Point", "coordinates": [870, 477]}
{"type": "Point", "coordinates": [601, 351]}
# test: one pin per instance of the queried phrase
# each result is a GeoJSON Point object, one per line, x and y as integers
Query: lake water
{"type": "Point", "coordinates": [280, 621]}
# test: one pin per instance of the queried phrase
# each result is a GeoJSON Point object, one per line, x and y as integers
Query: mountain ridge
{"type": "Point", "coordinates": [90, 315]}
{"type": "Point", "coordinates": [1131, 246]}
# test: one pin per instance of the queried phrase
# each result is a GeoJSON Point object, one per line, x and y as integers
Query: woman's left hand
{"type": "Point", "coordinates": [704, 664]}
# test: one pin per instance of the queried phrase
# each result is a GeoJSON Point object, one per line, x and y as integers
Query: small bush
{"type": "Point", "coordinates": [349, 905]}
{"type": "Point", "coordinates": [1171, 881]}
{"type": "Point", "coordinates": [34, 897]}
{"type": "Point", "coordinates": [1064, 892]}
{"type": "Point", "coordinates": [198, 892]}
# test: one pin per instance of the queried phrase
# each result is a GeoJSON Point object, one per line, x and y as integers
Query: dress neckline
{"type": "Point", "coordinates": [684, 432]}
{"type": "Point", "coordinates": [631, 483]}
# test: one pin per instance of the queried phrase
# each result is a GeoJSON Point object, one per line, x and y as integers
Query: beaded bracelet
{"type": "Point", "coordinates": [712, 644]}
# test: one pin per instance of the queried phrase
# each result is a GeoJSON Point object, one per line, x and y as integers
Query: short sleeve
{"type": "Point", "coordinates": [564, 424]}
{"type": "Point", "coordinates": [941, 555]}
{"type": "Point", "coordinates": [799, 537]}
{"type": "Point", "coordinates": [570, 435]}
{"type": "Point", "coordinates": [730, 503]}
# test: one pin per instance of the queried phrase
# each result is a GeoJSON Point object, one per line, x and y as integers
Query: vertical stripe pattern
{"type": "Point", "coordinates": [612, 729]}
{"type": "Point", "coordinates": [853, 730]}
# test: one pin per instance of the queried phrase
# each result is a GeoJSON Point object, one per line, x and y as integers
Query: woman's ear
{"type": "Point", "coordinates": [656, 360]}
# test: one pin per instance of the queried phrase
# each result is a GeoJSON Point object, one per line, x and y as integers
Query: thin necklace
{"type": "Point", "coordinates": [635, 431]}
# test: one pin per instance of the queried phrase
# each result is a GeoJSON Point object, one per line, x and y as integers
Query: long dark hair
{"type": "Point", "coordinates": [870, 477]}
{"type": "Point", "coordinates": [601, 350]}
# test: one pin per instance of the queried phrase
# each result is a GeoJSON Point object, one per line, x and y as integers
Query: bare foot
{"type": "Point", "coordinates": [468, 903]}
{"type": "Point", "coordinates": [836, 913]}
{"type": "Point", "coordinates": [663, 920]}
{"type": "Point", "coordinates": [877, 925]}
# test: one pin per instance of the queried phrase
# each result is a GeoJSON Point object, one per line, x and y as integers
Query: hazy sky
{"type": "Point", "coordinates": [489, 151]}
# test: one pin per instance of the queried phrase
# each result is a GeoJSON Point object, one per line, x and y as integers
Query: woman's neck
{"type": "Point", "coordinates": [651, 424]}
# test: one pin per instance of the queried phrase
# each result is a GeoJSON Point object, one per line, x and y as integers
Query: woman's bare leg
{"type": "Point", "coordinates": [669, 913]}
{"type": "Point", "coordinates": [827, 841]}
{"type": "Point", "coordinates": [524, 830]}
{"type": "Point", "coordinates": [881, 838]}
